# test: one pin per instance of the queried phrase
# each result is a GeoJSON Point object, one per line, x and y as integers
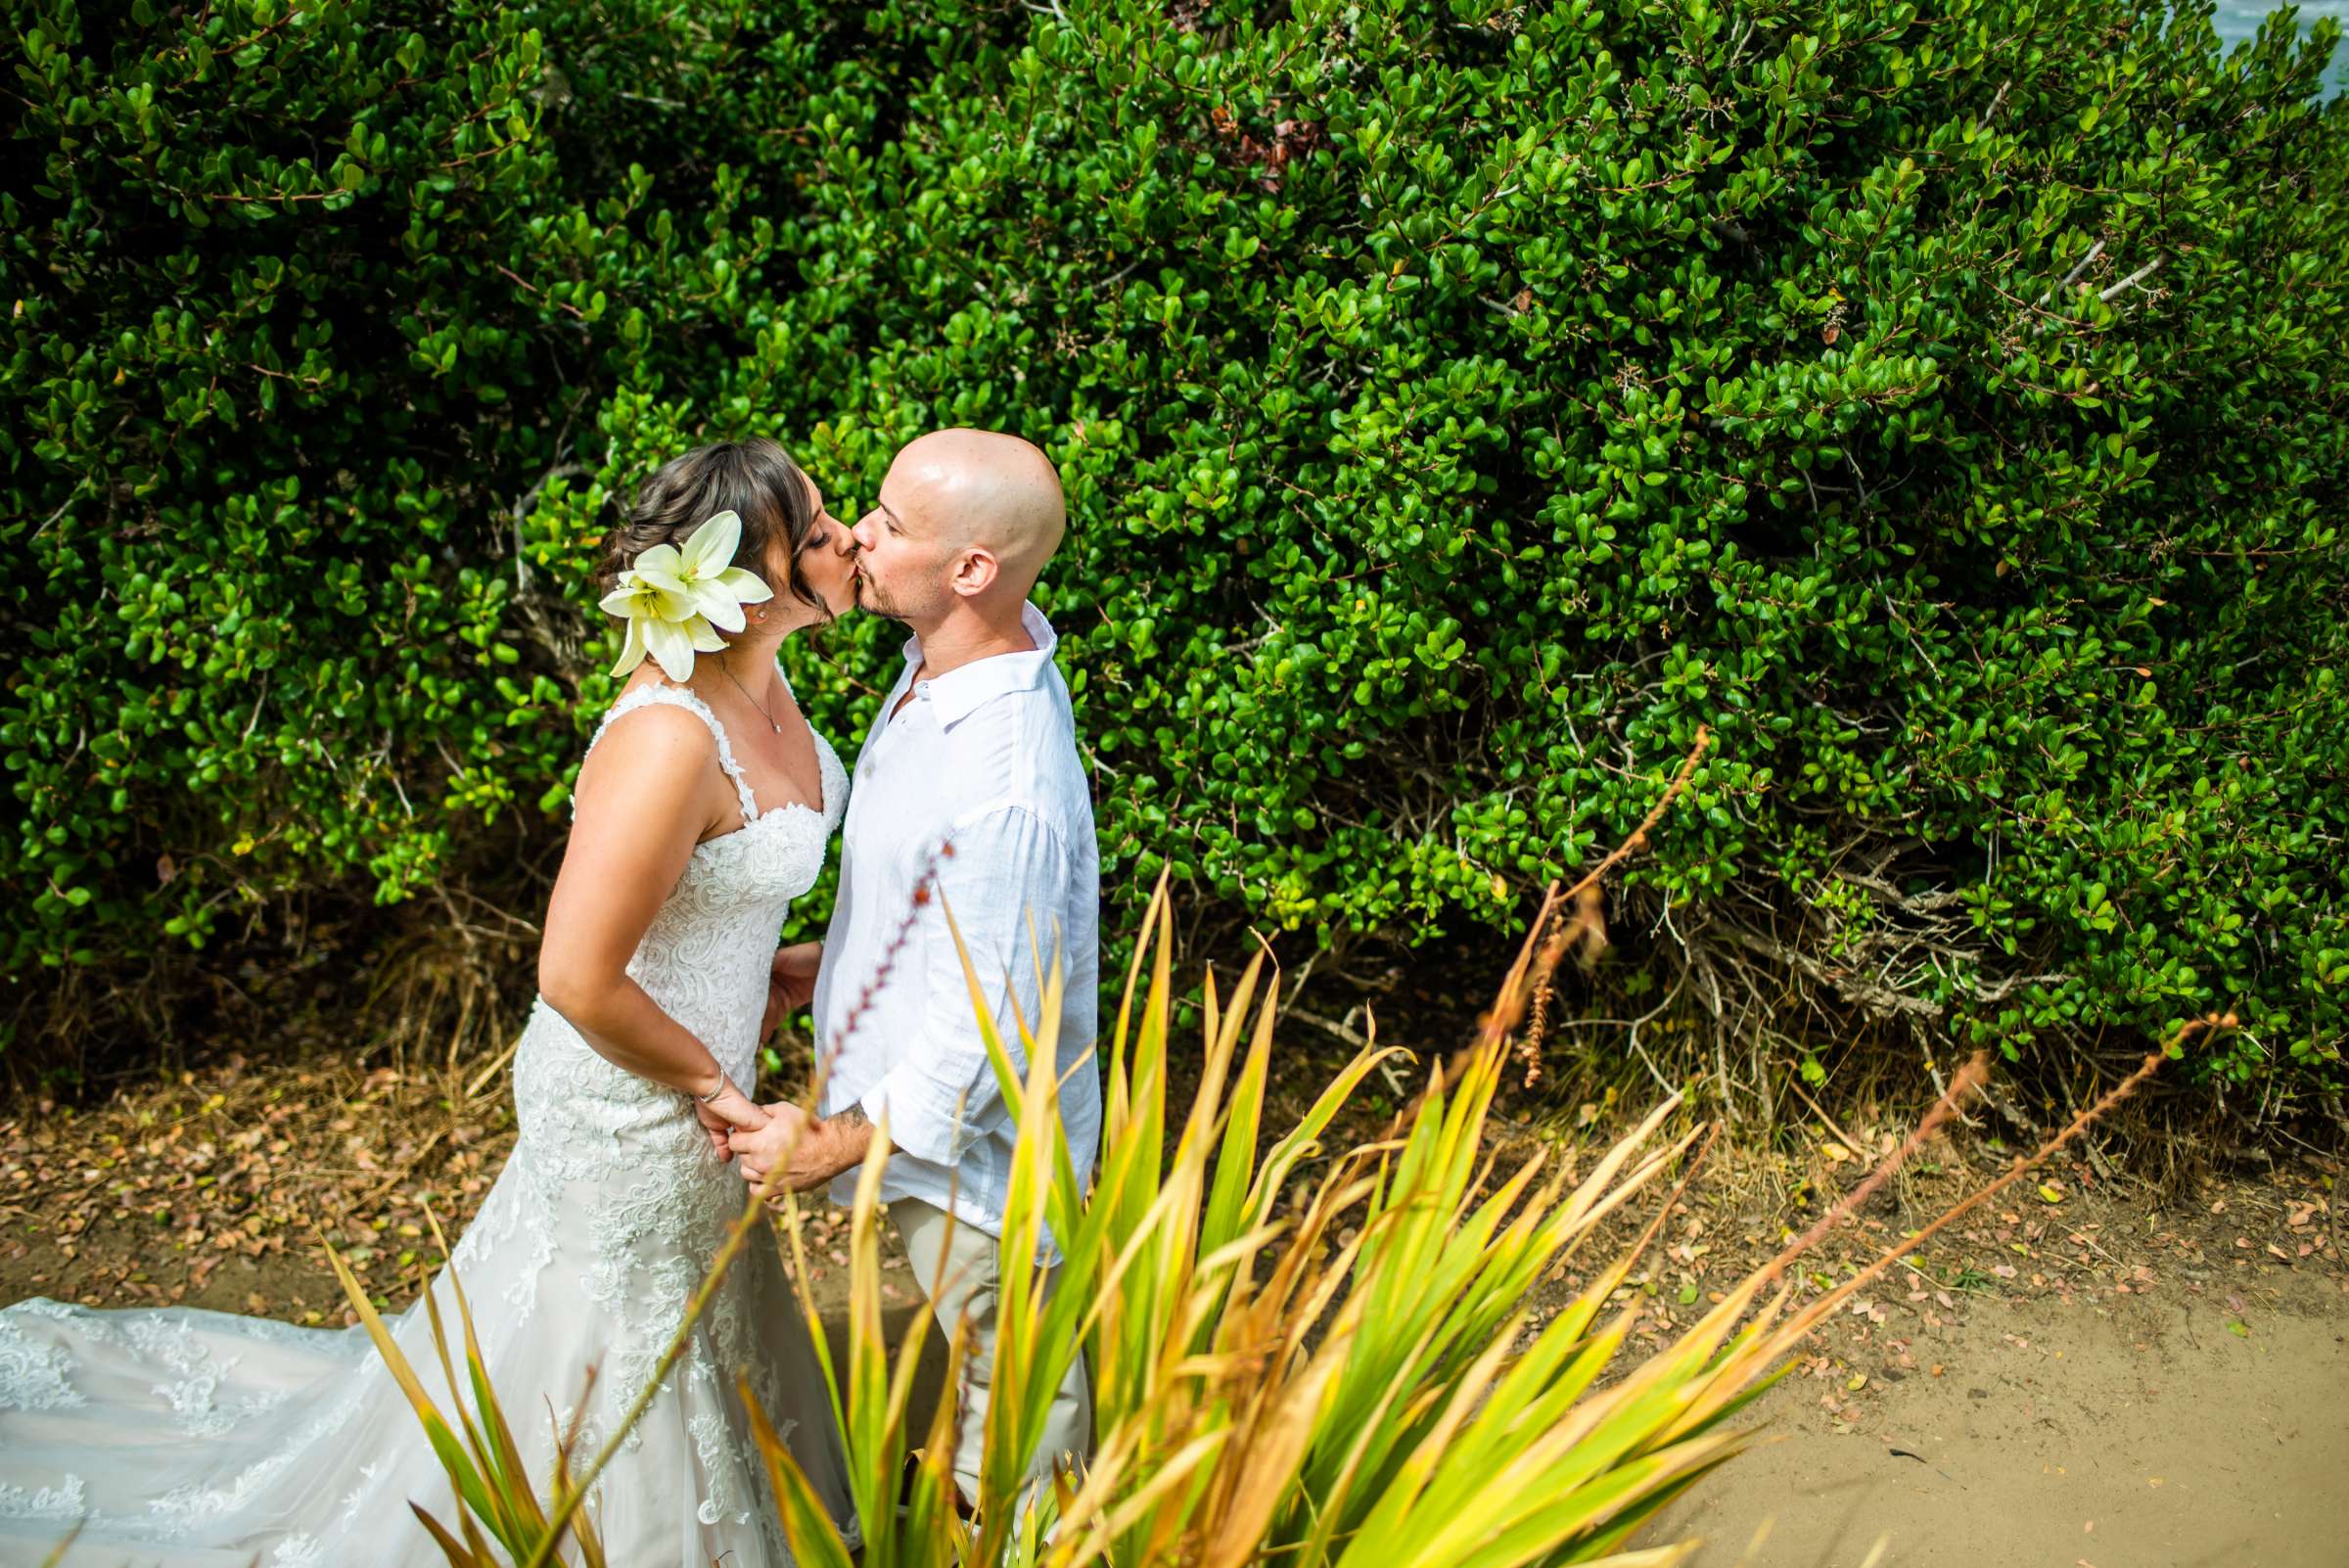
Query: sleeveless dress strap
{"type": "Point", "coordinates": [679, 697]}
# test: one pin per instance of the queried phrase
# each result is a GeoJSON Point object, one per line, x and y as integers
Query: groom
{"type": "Point", "coordinates": [970, 781]}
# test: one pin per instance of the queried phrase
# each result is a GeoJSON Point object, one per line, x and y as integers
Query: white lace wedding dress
{"type": "Point", "coordinates": [191, 1438]}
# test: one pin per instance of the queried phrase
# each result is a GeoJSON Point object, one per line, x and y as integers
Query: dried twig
{"type": "Point", "coordinates": [2082, 265]}
{"type": "Point", "coordinates": [1997, 102]}
{"type": "Point", "coordinates": [2133, 280]}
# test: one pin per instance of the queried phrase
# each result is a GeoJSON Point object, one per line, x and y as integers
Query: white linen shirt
{"type": "Point", "coordinates": [984, 758]}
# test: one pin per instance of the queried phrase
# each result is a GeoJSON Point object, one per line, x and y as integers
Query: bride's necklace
{"type": "Point", "coordinates": [747, 698]}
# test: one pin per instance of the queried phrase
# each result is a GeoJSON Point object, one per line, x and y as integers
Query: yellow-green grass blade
{"type": "Point", "coordinates": [459, 1555]}
{"type": "Point", "coordinates": [1454, 1280]}
{"type": "Point", "coordinates": [1540, 1386]}
{"type": "Point", "coordinates": [1110, 1240]}
{"type": "Point", "coordinates": [503, 1477]}
{"type": "Point", "coordinates": [1066, 1197]}
{"type": "Point", "coordinates": [1301, 1141]}
{"type": "Point", "coordinates": [795, 1234]}
{"type": "Point", "coordinates": [1609, 1432]}
{"type": "Point", "coordinates": [1465, 1327]}
{"type": "Point", "coordinates": [1275, 1450]}
{"type": "Point", "coordinates": [1117, 1091]}
{"type": "Point", "coordinates": [1372, 1438]}
{"type": "Point", "coordinates": [1588, 1526]}
{"type": "Point", "coordinates": [1489, 1282]}
{"type": "Point", "coordinates": [1236, 1160]}
{"type": "Point", "coordinates": [1138, 1257]}
{"type": "Point", "coordinates": [1410, 1205]}
{"type": "Point", "coordinates": [57, 1553]}
{"type": "Point", "coordinates": [1177, 1471]}
{"type": "Point", "coordinates": [1408, 1483]}
{"type": "Point", "coordinates": [1422, 1483]}
{"type": "Point", "coordinates": [1530, 1522]}
{"type": "Point", "coordinates": [453, 1460]}
{"type": "Point", "coordinates": [1158, 1212]}
{"type": "Point", "coordinates": [1128, 1282]}
{"type": "Point", "coordinates": [1027, 1370]}
{"type": "Point", "coordinates": [931, 1514]}
{"type": "Point", "coordinates": [1059, 1313]}
{"type": "Point", "coordinates": [1601, 1180]}
{"type": "Point", "coordinates": [807, 1525]}
{"type": "Point", "coordinates": [496, 1511]}
{"type": "Point", "coordinates": [473, 1542]}
{"type": "Point", "coordinates": [1304, 1280]}
{"type": "Point", "coordinates": [1603, 1544]}
{"type": "Point", "coordinates": [581, 1527]}
{"type": "Point", "coordinates": [1084, 1539]}
{"type": "Point", "coordinates": [509, 1479]}
{"type": "Point", "coordinates": [868, 1433]}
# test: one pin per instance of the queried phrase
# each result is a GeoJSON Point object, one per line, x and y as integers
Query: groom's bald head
{"type": "Point", "coordinates": [990, 492]}
{"type": "Point", "coordinates": [968, 515]}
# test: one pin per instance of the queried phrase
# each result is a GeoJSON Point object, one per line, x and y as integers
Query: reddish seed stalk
{"type": "Point", "coordinates": [1968, 1077]}
{"type": "Point", "coordinates": [922, 892]}
{"type": "Point", "coordinates": [1544, 948]}
{"type": "Point", "coordinates": [1803, 1322]}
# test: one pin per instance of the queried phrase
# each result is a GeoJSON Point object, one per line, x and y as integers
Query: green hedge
{"type": "Point", "coordinates": [1459, 405]}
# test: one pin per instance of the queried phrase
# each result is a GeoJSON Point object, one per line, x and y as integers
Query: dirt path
{"type": "Point", "coordinates": [2126, 1436]}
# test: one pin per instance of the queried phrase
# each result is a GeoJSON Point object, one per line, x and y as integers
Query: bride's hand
{"type": "Point", "coordinates": [731, 1112]}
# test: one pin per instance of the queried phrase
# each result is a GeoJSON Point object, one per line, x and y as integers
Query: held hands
{"type": "Point", "coordinates": [798, 1151]}
{"type": "Point", "coordinates": [730, 1113]}
{"type": "Point", "coordinates": [783, 1150]}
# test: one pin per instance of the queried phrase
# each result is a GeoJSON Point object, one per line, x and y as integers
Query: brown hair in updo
{"type": "Point", "coordinates": [756, 479]}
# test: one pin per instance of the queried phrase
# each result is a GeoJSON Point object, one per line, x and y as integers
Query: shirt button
{"type": "Point", "coordinates": [921, 689]}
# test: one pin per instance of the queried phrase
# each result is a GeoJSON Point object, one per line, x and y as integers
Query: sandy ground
{"type": "Point", "coordinates": [2141, 1434]}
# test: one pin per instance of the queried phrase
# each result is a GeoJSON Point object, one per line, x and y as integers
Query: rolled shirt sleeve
{"type": "Point", "coordinates": [1009, 875]}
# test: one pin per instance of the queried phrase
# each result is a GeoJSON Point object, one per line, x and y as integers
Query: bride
{"type": "Point", "coordinates": [184, 1436]}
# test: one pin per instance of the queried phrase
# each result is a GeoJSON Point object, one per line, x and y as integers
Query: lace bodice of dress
{"type": "Point", "coordinates": [705, 957]}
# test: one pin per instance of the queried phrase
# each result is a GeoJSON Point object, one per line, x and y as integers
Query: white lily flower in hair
{"type": "Point", "coordinates": [674, 643]}
{"type": "Point", "coordinates": [703, 573]}
{"type": "Point", "coordinates": [676, 600]}
{"type": "Point", "coordinates": [644, 604]}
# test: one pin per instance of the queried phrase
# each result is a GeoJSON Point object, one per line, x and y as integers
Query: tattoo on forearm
{"type": "Point", "coordinates": [852, 1116]}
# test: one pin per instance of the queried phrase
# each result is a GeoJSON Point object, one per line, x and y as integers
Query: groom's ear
{"type": "Point", "coordinates": [975, 572]}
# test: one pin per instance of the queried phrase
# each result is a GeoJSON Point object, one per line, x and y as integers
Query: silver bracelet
{"type": "Point", "coordinates": [704, 1099]}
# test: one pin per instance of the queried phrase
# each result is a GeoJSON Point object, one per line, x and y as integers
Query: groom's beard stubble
{"type": "Point", "coordinates": [869, 598]}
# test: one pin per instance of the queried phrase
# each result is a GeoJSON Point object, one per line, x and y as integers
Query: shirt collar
{"type": "Point", "coordinates": [958, 693]}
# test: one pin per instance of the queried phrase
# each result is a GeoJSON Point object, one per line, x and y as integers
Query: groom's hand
{"type": "Point", "coordinates": [801, 1153]}
{"type": "Point", "coordinates": [781, 1143]}
{"type": "Point", "coordinates": [790, 983]}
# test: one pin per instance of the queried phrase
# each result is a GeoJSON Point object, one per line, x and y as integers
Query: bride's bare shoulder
{"type": "Point", "coordinates": [652, 745]}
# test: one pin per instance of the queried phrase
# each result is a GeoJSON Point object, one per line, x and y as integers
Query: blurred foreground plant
{"type": "Point", "coordinates": [487, 1468]}
{"type": "Point", "coordinates": [1343, 1368]}
{"type": "Point", "coordinates": [1344, 1373]}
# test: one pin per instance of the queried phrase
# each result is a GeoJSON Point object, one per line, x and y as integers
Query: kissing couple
{"type": "Point", "coordinates": [704, 807]}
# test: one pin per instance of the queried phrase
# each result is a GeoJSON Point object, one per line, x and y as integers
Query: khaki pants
{"type": "Point", "coordinates": [954, 1262]}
